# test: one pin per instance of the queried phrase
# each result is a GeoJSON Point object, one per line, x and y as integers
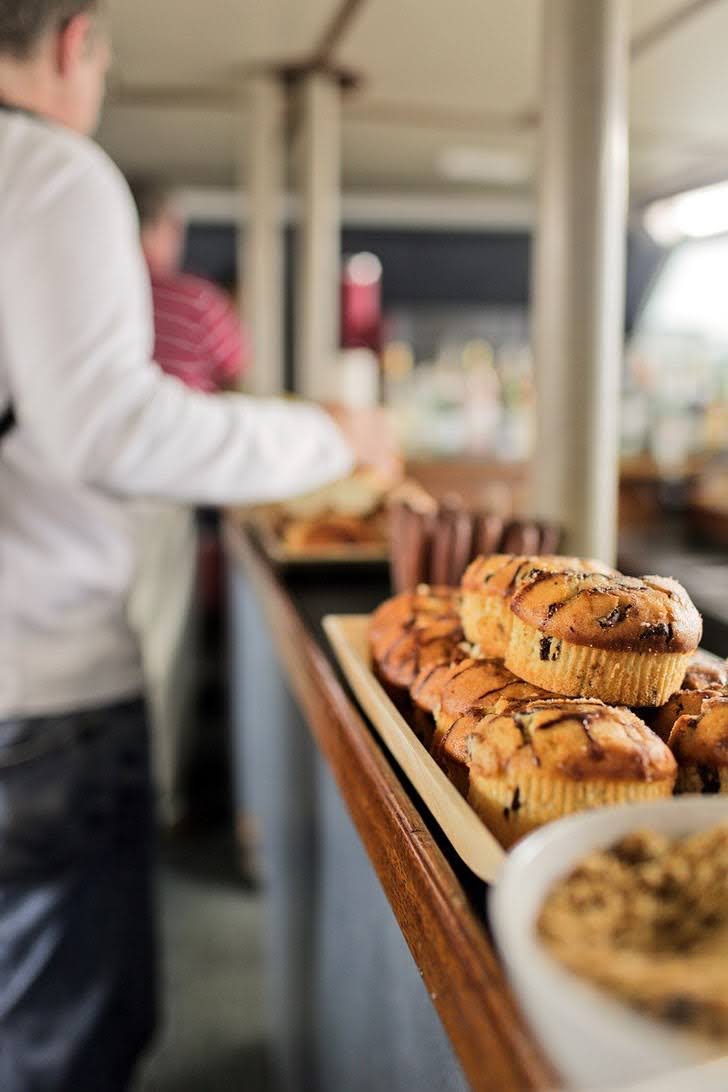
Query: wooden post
{"type": "Point", "coordinates": [579, 270]}
{"type": "Point", "coordinates": [318, 238]}
{"type": "Point", "coordinates": [261, 239]}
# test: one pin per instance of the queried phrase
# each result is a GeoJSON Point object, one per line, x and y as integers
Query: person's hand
{"type": "Point", "coordinates": [372, 437]}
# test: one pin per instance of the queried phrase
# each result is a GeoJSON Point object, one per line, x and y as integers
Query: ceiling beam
{"type": "Point", "coordinates": [417, 115]}
{"type": "Point", "coordinates": [225, 98]}
{"type": "Point", "coordinates": [334, 32]}
{"type": "Point", "coordinates": [222, 97]}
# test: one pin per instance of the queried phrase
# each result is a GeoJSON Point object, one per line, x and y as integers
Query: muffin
{"type": "Point", "coordinates": [683, 703]}
{"type": "Point", "coordinates": [705, 672]}
{"type": "Point", "coordinates": [700, 745]}
{"type": "Point", "coordinates": [470, 690]}
{"type": "Point", "coordinates": [706, 675]}
{"type": "Point", "coordinates": [488, 585]}
{"type": "Point", "coordinates": [553, 757]}
{"type": "Point", "coordinates": [410, 633]}
{"type": "Point", "coordinates": [586, 634]}
{"type": "Point", "coordinates": [426, 693]}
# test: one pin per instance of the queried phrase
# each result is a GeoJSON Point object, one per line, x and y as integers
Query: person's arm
{"type": "Point", "coordinates": [75, 315]}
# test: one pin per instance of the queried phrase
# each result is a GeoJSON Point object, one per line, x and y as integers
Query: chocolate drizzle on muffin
{"type": "Point", "coordinates": [611, 612]}
{"type": "Point", "coordinates": [489, 585]}
{"type": "Point", "coordinates": [615, 616]}
{"type": "Point", "coordinates": [414, 632]}
{"type": "Point", "coordinates": [700, 745]}
{"type": "Point", "coordinates": [623, 640]}
{"type": "Point", "coordinates": [562, 755]}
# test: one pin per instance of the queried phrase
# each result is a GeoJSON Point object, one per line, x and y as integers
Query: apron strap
{"type": "Point", "coordinates": [7, 417]}
{"type": "Point", "coordinates": [7, 421]}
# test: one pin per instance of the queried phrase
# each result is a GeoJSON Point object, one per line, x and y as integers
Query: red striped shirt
{"type": "Point", "coordinates": [198, 336]}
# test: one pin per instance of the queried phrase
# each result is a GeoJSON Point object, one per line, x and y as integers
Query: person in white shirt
{"type": "Point", "coordinates": [90, 425]}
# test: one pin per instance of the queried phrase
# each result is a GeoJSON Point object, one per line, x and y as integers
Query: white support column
{"type": "Point", "coordinates": [318, 238]}
{"type": "Point", "coordinates": [579, 270]}
{"type": "Point", "coordinates": [261, 240]}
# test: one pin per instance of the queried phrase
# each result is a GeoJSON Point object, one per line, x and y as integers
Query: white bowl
{"type": "Point", "coordinates": [595, 1042]}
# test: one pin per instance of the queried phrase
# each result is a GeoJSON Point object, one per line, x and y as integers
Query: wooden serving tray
{"type": "Point", "coordinates": [470, 838]}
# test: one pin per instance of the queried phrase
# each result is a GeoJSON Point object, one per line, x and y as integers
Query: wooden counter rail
{"type": "Point", "coordinates": [449, 944]}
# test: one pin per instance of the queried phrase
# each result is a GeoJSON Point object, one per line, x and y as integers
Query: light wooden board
{"type": "Point", "coordinates": [470, 838]}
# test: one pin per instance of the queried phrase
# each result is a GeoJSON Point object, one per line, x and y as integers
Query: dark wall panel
{"type": "Point", "coordinates": [447, 267]}
{"type": "Point", "coordinates": [436, 267]}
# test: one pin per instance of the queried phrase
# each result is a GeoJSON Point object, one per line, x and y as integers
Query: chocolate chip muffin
{"type": "Point", "coordinates": [470, 690]}
{"type": "Point", "coordinates": [706, 675]}
{"type": "Point", "coordinates": [613, 637]}
{"type": "Point", "coordinates": [411, 633]}
{"type": "Point", "coordinates": [705, 672]}
{"type": "Point", "coordinates": [426, 693]}
{"type": "Point", "coordinates": [549, 758]}
{"type": "Point", "coordinates": [700, 744]}
{"type": "Point", "coordinates": [488, 586]}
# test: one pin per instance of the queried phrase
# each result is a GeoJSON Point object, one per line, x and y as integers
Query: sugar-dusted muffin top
{"type": "Point", "coordinates": [663, 719]}
{"type": "Point", "coordinates": [502, 574]}
{"type": "Point", "coordinates": [705, 672]}
{"type": "Point", "coordinates": [573, 739]}
{"type": "Point", "coordinates": [702, 739]}
{"type": "Point", "coordinates": [414, 631]}
{"type": "Point", "coordinates": [705, 677]}
{"type": "Point", "coordinates": [475, 686]}
{"type": "Point", "coordinates": [423, 605]}
{"type": "Point", "coordinates": [426, 690]}
{"type": "Point", "coordinates": [654, 614]}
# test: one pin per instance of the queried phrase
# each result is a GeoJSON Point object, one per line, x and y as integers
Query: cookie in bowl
{"type": "Point", "coordinates": [410, 633]}
{"type": "Point", "coordinates": [470, 690]}
{"type": "Point", "coordinates": [647, 919]}
{"type": "Point", "coordinates": [700, 745]}
{"type": "Point", "coordinates": [623, 640]}
{"type": "Point", "coordinates": [549, 758]}
{"type": "Point", "coordinates": [489, 584]}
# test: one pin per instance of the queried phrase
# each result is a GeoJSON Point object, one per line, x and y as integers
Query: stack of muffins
{"type": "Point", "coordinates": [546, 685]}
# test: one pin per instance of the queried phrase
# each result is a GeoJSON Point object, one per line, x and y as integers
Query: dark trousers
{"type": "Point", "coordinates": [78, 975]}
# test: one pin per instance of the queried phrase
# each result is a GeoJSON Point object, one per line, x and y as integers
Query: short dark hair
{"type": "Point", "coordinates": [24, 22]}
{"type": "Point", "coordinates": [151, 197]}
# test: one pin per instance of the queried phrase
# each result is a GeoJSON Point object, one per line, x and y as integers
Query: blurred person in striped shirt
{"type": "Point", "coordinates": [198, 335]}
{"type": "Point", "coordinates": [198, 338]}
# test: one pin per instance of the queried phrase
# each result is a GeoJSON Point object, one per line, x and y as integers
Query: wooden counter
{"type": "Point", "coordinates": [437, 903]}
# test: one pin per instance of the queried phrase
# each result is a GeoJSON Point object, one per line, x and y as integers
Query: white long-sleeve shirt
{"type": "Point", "coordinates": [99, 425]}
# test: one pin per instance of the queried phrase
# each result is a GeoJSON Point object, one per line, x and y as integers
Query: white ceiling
{"type": "Point", "coordinates": [433, 76]}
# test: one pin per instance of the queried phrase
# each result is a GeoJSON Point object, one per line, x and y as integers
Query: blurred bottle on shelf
{"type": "Point", "coordinates": [469, 399]}
{"type": "Point", "coordinates": [515, 368]}
{"type": "Point", "coordinates": [358, 374]}
{"type": "Point", "coordinates": [482, 409]}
